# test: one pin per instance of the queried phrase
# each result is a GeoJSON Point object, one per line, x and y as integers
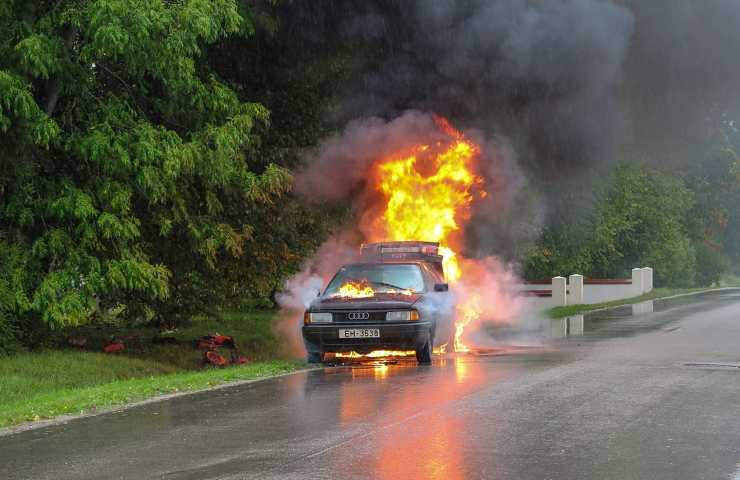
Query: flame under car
{"type": "Point", "coordinates": [395, 298]}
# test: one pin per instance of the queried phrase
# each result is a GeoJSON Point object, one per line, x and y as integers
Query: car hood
{"type": "Point", "coordinates": [377, 302]}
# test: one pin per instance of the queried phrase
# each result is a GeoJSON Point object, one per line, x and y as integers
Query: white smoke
{"type": "Point", "coordinates": [303, 287]}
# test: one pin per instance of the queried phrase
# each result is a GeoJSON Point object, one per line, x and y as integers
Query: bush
{"type": "Point", "coordinates": [554, 257]}
{"type": "Point", "coordinates": [8, 337]}
{"type": "Point", "coordinates": [710, 265]}
{"type": "Point", "coordinates": [641, 221]}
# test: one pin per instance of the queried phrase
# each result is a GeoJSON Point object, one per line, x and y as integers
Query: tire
{"type": "Point", "coordinates": [315, 357]}
{"type": "Point", "coordinates": [424, 354]}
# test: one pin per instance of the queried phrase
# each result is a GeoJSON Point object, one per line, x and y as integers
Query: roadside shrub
{"type": "Point", "coordinates": [641, 221]}
{"type": "Point", "coordinates": [710, 265]}
{"type": "Point", "coordinates": [555, 258]}
{"type": "Point", "coordinates": [9, 343]}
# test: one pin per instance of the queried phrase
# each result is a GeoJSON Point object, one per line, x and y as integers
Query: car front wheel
{"type": "Point", "coordinates": [424, 354]}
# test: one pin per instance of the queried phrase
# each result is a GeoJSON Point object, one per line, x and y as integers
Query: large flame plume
{"type": "Point", "coordinates": [428, 193]}
{"type": "Point", "coordinates": [411, 178]}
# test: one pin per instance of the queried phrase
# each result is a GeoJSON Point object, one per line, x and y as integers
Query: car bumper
{"type": "Point", "coordinates": [393, 336]}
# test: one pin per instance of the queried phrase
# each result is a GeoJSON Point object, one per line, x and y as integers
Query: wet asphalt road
{"type": "Point", "coordinates": [612, 396]}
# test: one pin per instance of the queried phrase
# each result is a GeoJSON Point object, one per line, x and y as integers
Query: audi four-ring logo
{"type": "Point", "coordinates": [358, 315]}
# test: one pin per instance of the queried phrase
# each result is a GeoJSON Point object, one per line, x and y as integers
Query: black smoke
{"type": "Point", "coordinates": [544, 74]}
{"type": "Point", "coordinates": [573, 83]}
{"type": "Point", "coordinates": [569, 86]}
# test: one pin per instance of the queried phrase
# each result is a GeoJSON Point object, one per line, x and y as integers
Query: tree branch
{"type": "Point", "coordinates": [54, 87]}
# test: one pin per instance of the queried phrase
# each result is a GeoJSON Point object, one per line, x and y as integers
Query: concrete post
{"type": "Point", "coordinates": [647, 273]}
{"type": "Point", "coordinates": [638, 283]}
{"type": "Point", "coordinates": [575, 286]}
{"type": "Point", "coordinates": [559, 291]}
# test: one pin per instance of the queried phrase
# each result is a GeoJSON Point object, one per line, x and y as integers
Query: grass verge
{"type": "Point", "coordinates": [54, 398]}
{"type": "Point", "coordinates": [45, 384]}
{"type": "Point", "coordinates": [570, 310]}
{"type": "Point", "coordinates": [251, 329]}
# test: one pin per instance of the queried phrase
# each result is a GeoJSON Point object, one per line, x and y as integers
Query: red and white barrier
{"type": "Point", "coordinates": [580, 290]}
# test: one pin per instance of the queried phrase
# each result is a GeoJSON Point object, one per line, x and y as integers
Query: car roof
{"type": "Point", "coordinates": [386, 262]}
{"type": "Point", "coordinates": [431, 267]}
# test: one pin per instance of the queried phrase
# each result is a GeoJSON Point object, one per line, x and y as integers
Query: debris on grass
{"type": "Point", "coordinates": [211, 343]}
{"type": "Point", "coordinates": [114, 346]}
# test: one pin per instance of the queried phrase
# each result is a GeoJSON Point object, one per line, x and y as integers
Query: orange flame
{"type": "Point", "coordinates": [384, 353]}
{"type": "Point", "coordinates": [428, 193]}
{"type": "Point", "coordinates": [466, 313]}
{"type": "Point", "coordinates": [361, 289]}
{"type": "Point", "coordinates": [376, 354]}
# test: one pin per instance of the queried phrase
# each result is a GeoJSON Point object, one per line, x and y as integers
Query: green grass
{"type": "Point", "coordinates": [252, 331]}
{"type": "Point", "coordinates": [33, 395]}
{"type": "Point", "coordinates": [570, 310]}
{"type": "Point", "coordinates": [41, 385]}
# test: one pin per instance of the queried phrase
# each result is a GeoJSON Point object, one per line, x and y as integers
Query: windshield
{"type": "Point", "coordinates": [380, 278]}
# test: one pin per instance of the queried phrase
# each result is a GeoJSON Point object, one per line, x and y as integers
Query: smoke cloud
{"type": "Point", "coordinates": [681, 79]}
{"type": "Point", "coordinates": [304, 286]}
{"type": "Point", "coordinates": [544, 74]}
{"type": "Point", "coordinates": [340, 164]}
{"type": "Point", "coordinates": [554, 91]}
{"type": "Point", "coordinates": [571, 82]}
{"type": "Point", "coordinates": [571, 86]}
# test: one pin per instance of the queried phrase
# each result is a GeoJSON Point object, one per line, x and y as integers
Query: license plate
{"type": "Point", "coordinates": [359, 333]}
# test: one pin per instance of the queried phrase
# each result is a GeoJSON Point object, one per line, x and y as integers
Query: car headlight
{"type": "Point", "coordinates": [402, 316]}
{"type": "Point", "coordinates": [317, 317]}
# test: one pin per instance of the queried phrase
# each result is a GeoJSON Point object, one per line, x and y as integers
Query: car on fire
{"type": "Point", "coordinates": [394, 298]}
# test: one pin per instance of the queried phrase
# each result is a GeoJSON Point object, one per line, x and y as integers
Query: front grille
{"type": "Point", "coordinates": [373, 316]}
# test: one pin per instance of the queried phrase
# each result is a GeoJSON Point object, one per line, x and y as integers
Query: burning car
{"type": "Point", "coordinates": [394, 298]}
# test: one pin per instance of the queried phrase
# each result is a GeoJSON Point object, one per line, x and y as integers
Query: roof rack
{"type": "Point", "coordinates": [406, 250]}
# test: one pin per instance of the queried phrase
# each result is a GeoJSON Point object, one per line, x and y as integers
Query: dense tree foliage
{"type": "Point", "coordinates": [716, 181]}
{"type": "Point", "coordinates": [646, 217]}
{"type": "Point", "coordinates": [127, 167]}
{"type": "Point", "coordinates": [642, 222]}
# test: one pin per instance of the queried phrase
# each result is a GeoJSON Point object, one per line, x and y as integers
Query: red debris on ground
{"type": "Point", "coordinates": [210, 343]}
{"type": "Point", "coordinates": [216, 359]}
{"type": "Point", "coordinates": [115, 346]}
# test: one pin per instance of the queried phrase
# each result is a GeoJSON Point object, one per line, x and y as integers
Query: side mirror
{"type": "Point", "coordinates": [441, 287]}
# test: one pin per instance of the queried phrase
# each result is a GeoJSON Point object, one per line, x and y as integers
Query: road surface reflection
{"type": "Point", "coordinates": [398, 445]}
{"type": "Point", "coordinates": [532, 404]}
